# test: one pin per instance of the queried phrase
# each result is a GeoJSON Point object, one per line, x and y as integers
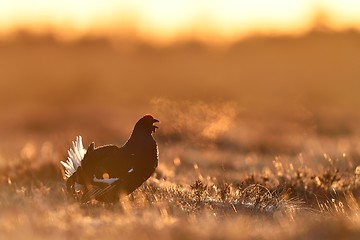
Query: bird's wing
{"type": "Point", "coordinates": [117, 163]}
{"type": "Point", "coordinates": [108, 159]}
{"type": "Point", "coordinates": [100, 192]}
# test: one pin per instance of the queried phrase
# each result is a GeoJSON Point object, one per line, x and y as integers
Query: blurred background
{"type": "Point", "coordinates": [239, 76]}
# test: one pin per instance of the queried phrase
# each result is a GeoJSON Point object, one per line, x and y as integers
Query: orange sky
{"type": "Point", "coordinates": [165, 21]}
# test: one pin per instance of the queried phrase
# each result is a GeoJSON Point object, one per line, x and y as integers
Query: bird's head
{"type": "Point", "coordinates": [146, 123]}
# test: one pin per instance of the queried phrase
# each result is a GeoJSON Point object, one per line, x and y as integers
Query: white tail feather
{"type": "Point", "coordinates": [76, 155]}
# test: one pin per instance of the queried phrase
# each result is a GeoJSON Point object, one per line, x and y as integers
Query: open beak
{"type": "Point", "coordinates": [155, 127]}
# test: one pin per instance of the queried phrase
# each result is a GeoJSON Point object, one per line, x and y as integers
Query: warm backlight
{"type": "Point", "coordinates": [165, 21]}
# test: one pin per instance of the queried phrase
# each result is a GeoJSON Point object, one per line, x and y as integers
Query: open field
{"type": "Point", "coordinates": [257, 141]}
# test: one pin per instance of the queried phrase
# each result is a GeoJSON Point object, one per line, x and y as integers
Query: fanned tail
{"type": "Point", "coordinates": [76, 155]}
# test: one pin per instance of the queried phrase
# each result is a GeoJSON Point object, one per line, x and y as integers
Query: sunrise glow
{"type": "Point", "coordinates": [166, 21]}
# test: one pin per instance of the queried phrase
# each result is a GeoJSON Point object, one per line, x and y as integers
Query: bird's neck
{"type": "Point", "coordinates": [144, 148]}
{"type": "Point", "coordinates": [139, 139]}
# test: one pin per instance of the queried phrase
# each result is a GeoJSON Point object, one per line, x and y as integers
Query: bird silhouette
{"type": "Point", "coordinates": [104, 173]}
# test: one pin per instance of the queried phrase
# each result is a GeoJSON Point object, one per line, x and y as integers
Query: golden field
{"type": "Point", "coordinates": [257, 140]}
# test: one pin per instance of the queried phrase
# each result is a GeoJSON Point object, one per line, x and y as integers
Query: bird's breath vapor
{"type": "Point", "coordinates": [188, 117]}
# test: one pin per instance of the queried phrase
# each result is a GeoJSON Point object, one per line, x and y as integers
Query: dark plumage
{"type": "Point", "coordinates": [108, 171]}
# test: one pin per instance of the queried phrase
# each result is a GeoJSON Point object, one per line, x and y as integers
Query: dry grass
{"type": "Point", "coordinates": [286, 196]}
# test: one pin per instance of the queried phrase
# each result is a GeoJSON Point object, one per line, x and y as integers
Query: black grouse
{"type": "Point", "coordinates": [104, 173]}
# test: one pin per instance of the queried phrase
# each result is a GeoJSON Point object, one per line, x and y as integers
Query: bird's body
{"type": "Point", "coordinates": [105, 172]}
